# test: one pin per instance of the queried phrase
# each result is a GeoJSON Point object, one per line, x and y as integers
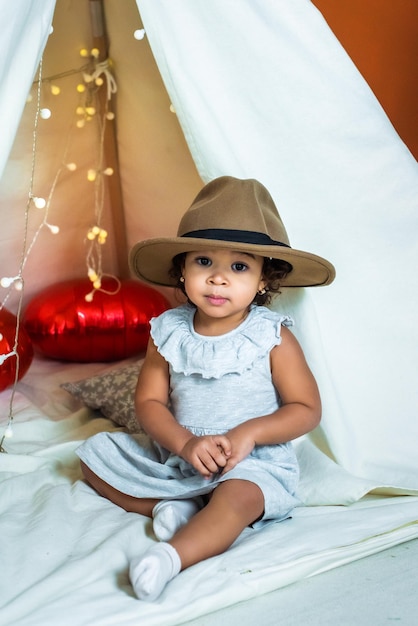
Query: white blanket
{"type": "Point", "coordinates": [64, 550]}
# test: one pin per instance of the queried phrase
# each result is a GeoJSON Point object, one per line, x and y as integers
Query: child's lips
{"type": "Point", "coordinates": [215, 299]}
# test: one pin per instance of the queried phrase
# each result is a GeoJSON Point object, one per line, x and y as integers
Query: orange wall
{"type": "Point", "coordinates": [381, 37]}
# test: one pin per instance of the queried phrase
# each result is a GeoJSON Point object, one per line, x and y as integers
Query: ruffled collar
{"type": "Point", "coordinates": [213, 357]}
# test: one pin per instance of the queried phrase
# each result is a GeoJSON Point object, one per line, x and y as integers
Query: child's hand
{"type": "Point", "coordinates": [207, 454]}
{"type": "Point", "coordinates": [242, 444]}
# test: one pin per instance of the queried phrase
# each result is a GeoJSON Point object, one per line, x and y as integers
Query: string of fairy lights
{"type": "Point", "coordinates": [17, 281]}
{"type": "Point", "coordinates": [96, 75]}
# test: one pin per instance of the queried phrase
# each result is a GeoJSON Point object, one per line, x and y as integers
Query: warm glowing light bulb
{"type": "Point", "coordinates": [97, 283]}
{"type": "Point", "coordinates": [139, 34]}
{"type": "Point", "coordinates": [95, 52]}
{"type": "Point", "coordinates": [84, 52]}
{"type": "Point", "coordinates": [45, 114]}
{"type": "Point", "coordinates": [55, 90]}
{"type": "Point", "coordinates": [71, 166]}
{"type": "Point", "coordinates": [99, 81]}
{"type": "Point", "coordinates": [81, 88]}
{"type": "Point", "coordinates": [92, 274]}
{"type": "Point", "coordinates": [108, 171]}
{"type": "Point", "coordinates": [90, 235]}
{"type": "Point", "coordinates": [80, 123]}
{"type": "Point", "coordinates": [101, 239]}
{"type": "Point", "coordinates": [91, 175]}
{"type": "Point", "coordinates": [6, 281]}
{"type": "Point", "coordinates": [40, 203]}
{"type": "Point", "coordinates": [110, 115]}
{"type": "Point", "coordinates": [53, 228]}
{"type": "Point", "coordinates": [8, 433]}
{"type": "Point", "coordinates": [88, 297]}
{"type": "Point", "coordinates": [18, 284]}
{"type": "Point", "coordinates": [95, 230]}
{"type": "Point", "coordinates": [90, 110]}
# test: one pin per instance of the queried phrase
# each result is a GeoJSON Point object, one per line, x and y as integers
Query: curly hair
{"type": "Point", "coordinates": [274, 272]}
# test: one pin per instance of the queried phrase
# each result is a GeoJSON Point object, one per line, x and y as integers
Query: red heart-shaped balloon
{"type": "Point", "coordinates": [24, 349]}
{"type": "Point", "coordinates": [64, 326]}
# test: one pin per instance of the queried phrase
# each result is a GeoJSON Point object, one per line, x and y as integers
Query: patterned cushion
{"type": "Point", "coordinates": [111, 393]}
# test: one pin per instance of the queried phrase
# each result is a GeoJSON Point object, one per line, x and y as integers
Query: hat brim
{"type": "Point", "coordinates": [151, 260]}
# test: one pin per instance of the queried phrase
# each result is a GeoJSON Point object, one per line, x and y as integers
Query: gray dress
{"type": "Point", "coordinates": [216, 383]}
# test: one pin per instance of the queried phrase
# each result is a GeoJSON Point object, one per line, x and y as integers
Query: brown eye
{"type": "Point", "coordinates": [203, 260]}
{"type": "Point", "coordinates": [239, 267]}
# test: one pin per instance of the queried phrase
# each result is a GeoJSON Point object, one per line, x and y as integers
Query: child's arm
{"type": "Point", "coordinates": [206, 454]}
{"type": "Point", "coordinates": [299, 413]}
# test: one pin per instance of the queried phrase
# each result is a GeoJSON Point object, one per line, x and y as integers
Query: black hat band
{"type": "Point", "coordinates": [238, 236]}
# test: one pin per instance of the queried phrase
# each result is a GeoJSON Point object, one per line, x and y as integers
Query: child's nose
{"type": "Point", "coordinates": [218, 276]}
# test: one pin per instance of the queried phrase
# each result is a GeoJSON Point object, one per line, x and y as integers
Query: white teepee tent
{"type": "Point", "coordinates": [260, 89]}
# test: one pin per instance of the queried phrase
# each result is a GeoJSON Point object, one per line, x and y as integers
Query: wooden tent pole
{"type": "Point", "coordinates": [110, 153]}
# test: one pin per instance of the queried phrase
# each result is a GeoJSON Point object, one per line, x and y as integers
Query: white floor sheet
{"type": "Point", "coordinates": [65, 550]}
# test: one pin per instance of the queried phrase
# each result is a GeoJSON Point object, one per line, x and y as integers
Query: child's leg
{"type": "Point", "coordinates": [144, 506]}
{"type": "Point", "coordinates": [233, 506]}
{"type": "Point", "coordinates": [168, 515]}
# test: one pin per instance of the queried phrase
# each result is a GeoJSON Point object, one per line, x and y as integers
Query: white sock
{"type": "Point", "coordinates": [170, 515]}
{"type": "Point", "coordinates": [151, 572]}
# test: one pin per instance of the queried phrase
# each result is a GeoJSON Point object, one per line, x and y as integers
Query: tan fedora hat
{"type": "Point", "coordinates": [236, 214]}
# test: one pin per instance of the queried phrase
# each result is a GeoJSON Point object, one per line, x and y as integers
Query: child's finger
{"type": "Point", "coordinates": [209, 462]}
{"type": "Point", "coordinates": [223, 444]}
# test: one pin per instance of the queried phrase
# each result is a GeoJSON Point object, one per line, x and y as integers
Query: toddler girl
{"type": "Point", "coordinates": [223, 390]}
